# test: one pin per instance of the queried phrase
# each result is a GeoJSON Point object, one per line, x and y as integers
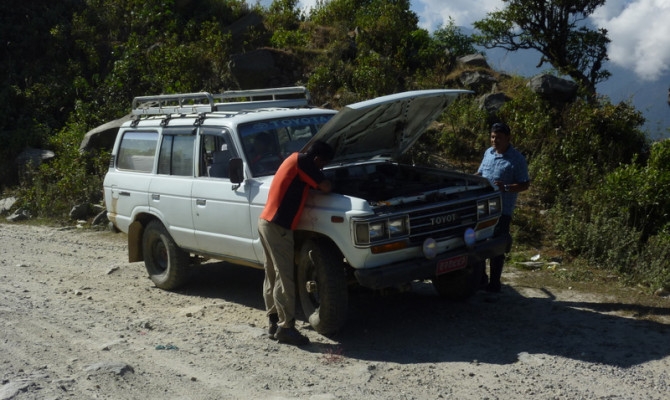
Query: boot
{"type": "Point", "coordinates": [496, 268]}
{"type": "Point", "coordinates": [273, 318]}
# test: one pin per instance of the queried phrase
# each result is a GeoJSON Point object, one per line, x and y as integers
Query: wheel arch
{"type": "Point", "coordinates": [300, 237]}
{"type": "Point", "coordinates": [135, 233]}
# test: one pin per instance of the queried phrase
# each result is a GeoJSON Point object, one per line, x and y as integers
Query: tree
{"type": "Point", "coordinates": [450, 38]}
{"type": "Point", "coordinates": [375, 46]}
{"type": "Point", "coordinates": [555, 28]}
{"type": "Point", "coordinates": [283, 14]}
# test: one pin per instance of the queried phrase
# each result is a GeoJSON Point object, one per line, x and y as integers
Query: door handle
{"type": "Point", "coordinates": [200, 202]}
{"type": "Point", "coordinates": [155, 196]}
{"type": "Point", "coordinates": [124, 193]}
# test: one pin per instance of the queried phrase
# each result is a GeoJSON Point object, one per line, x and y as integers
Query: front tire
{"type": "Point", "coordinates": [166, 263]}
{"type": "Point", "coordinates": [322, 286]}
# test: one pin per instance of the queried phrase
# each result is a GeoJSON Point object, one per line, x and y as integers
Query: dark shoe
{"type": "Point", "coordinates": [273, 318]}
{"type": "Point", "coordinates": [493, 287]}
{"type": "Point", "coordinates": [291, 336]}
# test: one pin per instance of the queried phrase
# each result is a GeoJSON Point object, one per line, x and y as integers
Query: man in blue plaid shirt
{"type": "Point", "coordinates": [506, 168]}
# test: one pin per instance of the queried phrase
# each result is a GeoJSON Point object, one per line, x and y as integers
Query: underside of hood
{"type": "Point", "coordinates": [386, 126]}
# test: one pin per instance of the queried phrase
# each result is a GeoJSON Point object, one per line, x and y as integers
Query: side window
{"type": "Point", "coordinates": [176, 153]}
{"type": "Point", "coordinates": [137, 151]}
{"type": "Point", "coordinates": [216, 150]}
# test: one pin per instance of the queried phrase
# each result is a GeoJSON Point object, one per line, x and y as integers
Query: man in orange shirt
{"type": "Point", "coordinates": [286, 199]}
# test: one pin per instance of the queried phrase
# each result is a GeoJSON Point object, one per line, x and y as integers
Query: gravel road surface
{"type": "Point", "coordinates": [80, 322]}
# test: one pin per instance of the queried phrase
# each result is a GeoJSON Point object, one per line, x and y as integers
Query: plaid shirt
{"type": "Point", "coordinates": [509, 167]}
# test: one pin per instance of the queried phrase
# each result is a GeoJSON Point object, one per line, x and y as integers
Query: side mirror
{"type": "Point", "coordinates": [236, 170]}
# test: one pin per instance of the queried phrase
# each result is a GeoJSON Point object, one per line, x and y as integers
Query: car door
{"type": "Point", "coordinates": [170, 188]}
{"type": "Point", "coordinates": [220, 209]}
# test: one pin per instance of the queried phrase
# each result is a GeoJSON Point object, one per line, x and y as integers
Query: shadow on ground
{"type": "Point", "coordinates": [418, 326]}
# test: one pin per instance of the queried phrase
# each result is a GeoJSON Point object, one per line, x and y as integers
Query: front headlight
{"type": "Point", "coordinates": [397, 227]}
{"type": "Point", "coordinates": [377, 231]}
{"type": "Point", "coordinates": [370, 232]}
{"type": "Point", "coordinates": [494, 205]}
{"type": "Point", "coordinates": [482, 209]}
{"type": "Point", "coordinates": [488, 207]}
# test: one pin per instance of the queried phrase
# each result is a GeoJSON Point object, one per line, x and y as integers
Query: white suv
{"type": "Point", "coordinates": [190, 174]}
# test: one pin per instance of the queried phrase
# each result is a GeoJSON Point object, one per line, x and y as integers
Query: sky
{"type": "Point", "coordinates": [639, 30]}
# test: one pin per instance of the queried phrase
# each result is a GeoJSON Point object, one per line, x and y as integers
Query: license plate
{"type": "Point", "coordinates": [451, 264]}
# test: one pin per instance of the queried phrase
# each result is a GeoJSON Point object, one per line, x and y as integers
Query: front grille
{"type": "Point", "coordinates": [442, 222]}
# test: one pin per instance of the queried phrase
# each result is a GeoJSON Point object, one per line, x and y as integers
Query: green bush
{"type": "Point", "coordinates": [622, 223]}
{"type": "Point", "coordinates": [283, 39]}
{"type": "Point", "coordinates": [604, 242]}
{"type": "Point", "coordinates": [465, 133]}
{"type": "Point", "coordinates": [653, 265]}
{"type": "Point", "coordinates": [71, 178]}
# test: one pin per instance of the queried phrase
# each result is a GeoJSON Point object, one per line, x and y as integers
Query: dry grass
{"type": "Point", "coordinates": [636, 301]}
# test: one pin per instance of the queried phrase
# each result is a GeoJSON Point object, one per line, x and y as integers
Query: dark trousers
{"type": "Point", "coordinates": [497, 262]}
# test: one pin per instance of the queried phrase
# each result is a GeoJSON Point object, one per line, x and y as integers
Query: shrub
{"type": "Point", "coordinates": [465, 133]}
{"type": "Point", "coordinates": [603, 241]}
{"type": "Point", "coordinates": [283, 39]}
{"type": "Point", "coordinates": [52, 189]}
{"type": "Point", "coordinates": [622, 223]}
{"type": "Point", "coordinates": [653, 265]}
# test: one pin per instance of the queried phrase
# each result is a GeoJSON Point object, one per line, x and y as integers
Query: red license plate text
{"type": "Point", "coordinates": [451, 264]}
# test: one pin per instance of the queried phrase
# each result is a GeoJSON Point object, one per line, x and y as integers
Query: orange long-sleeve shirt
{"type": "Point", "coordinates": [289, 189]}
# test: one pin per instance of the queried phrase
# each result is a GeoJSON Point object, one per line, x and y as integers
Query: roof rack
{"type": "Point", "coordinates": [202, 102]}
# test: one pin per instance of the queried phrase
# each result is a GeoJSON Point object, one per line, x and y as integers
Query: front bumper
{"type": "Point", "coordinates": [418, 269]}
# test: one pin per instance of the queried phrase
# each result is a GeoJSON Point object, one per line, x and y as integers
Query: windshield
{"type": "Point", "coordinates": [267, 143]}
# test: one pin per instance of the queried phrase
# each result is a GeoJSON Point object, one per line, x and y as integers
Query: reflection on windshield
{"type": "Point", "coordinates": [267, 143]}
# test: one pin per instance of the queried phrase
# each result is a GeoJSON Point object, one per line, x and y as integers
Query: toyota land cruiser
{"type": "Point", "coordinates": [189, 176]}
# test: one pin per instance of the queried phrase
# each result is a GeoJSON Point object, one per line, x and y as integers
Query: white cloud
{"type": "Point", "coordinates": [433, 13]}
{"type": "Point", "coordinates": [639, 31]}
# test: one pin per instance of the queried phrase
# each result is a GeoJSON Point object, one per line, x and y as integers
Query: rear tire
{"type": "Point", "coordinates": [322, 286]}
{"type": "Point", "coordinates": [461, 284]}
{"type": "Point", "coordinates": [166, 263]}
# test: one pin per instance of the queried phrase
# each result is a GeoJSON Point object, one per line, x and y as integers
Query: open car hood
{"type": "Point", "coordinates": [385, 126]}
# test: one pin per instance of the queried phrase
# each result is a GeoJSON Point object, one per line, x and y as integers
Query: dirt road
{"type": "Point", "coordinates": [79, 322]}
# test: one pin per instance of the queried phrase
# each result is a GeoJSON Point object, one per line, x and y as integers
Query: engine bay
{"type": "Point", "coordinates": [391, 184]}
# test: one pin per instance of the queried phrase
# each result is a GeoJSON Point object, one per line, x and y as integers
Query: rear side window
{"type": "Point", "coordinates": [176, 155]}
{"type": "Point", "coordinates": [137, 151]}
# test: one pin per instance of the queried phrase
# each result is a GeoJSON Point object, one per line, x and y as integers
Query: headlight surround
{"type": "Point", "coordinates": [378, 231]}
{"type": "Point", "coordinates": [494, 206]}
{"type": "Point", "coordinates": [398, 227]}
{"type": "Point", "coordinates": [482, 209]}
{"type": "Point", "coordinates": [489, 207]}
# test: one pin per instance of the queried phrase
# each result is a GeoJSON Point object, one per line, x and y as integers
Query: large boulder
{"type": "Point", "coordinates": [264, 68]}
{"type": "Point", "coordinates": [474, 60]}
{"type": "Point", "coordinates": [553, 89]}
{"type": "Point", "coordinates": [241, 28]}
{"type": "Point", "coordinates": [493, 102]}
{"type": "Point", "coordinates": [252, 69]}
{"type": "Point", "coordinates": [477, 80]}
{"type": "Point", "coordinates": [6, 204]}
{"type": "Point", "coordinates": [32, 157]}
